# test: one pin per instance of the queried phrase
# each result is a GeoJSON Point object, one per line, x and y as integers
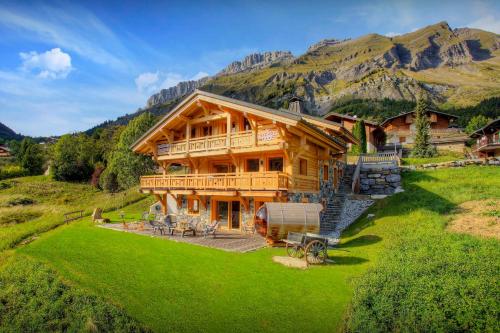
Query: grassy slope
{"type": "Point", "coordinates": [189, 288]}
{"type": "Point", "coordinates": [442, 157]}
{"type": "Point", "coordinates": [430, 279]}
{"type": "Point", "coordinates": [52, 200]}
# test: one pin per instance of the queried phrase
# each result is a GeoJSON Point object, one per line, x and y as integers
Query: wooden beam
{"type": "Point", "coordinates": [204, 107]}
{"type": "Point", "coordinates": [228, 133]}
{"type": "Point", "coordinates": [220, 193]}
{"type": "Point", "coordinates": [244, 202]}
{"type": "Point", "coordinates": [208, 118]}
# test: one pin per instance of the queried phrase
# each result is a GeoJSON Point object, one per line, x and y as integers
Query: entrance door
{"type": "Point", "coordinates": [228, 213]}
{"type": "Point", "coordinates": [235, 215]}
{"type": "Point", "coordinates": [222, 213]}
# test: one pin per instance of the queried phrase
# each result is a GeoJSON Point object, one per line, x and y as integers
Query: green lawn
{"type": "Point", "coordinates": [398, 263]}
{"type": "Point", "coordinates": [45, 202]}
{"type": "Point", "coordinates": [447, 156]}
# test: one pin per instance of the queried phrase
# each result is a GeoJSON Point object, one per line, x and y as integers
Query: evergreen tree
{"type": "Point", "coordinates": [359, 131]}
{"type": "Point", "coordinates": [422, 146]}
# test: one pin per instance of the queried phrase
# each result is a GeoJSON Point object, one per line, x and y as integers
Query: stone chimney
{"type": "Point", "coordinates": [296, 105]}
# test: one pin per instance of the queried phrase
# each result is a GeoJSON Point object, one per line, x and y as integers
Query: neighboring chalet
{"type": "Point", "coordinates": [4, 151]}
{"type": "Point", "coordinates": [375, 136]}
{"type": "Point", "coordinates": [241, 155]}
{"type": "Point", "coordinates": [444, 133]}
{"type": "Point", "coordinates": [487, 140]}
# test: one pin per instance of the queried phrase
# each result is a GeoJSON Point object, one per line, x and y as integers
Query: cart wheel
{"type": "Point", "coordinates": [294, 251]}
{"type": "Point", "coordinates": [316, 252]}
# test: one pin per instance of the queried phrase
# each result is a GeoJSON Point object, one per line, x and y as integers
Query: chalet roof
{"type": "Point", "coordinates": [292, 117]}
{"type": "Point", "coordinates": [345, 116]}
{"type": "Point", "coordinates": [492, 125]}
{"type": "Point", "coordinates": [410, 112]}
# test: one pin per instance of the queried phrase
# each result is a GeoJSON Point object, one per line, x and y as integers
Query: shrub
{"type": "Point", "coordinates": [20, 201]}
{"type": "Point", "coordinates": [12, 171]}
{"type": "Point", "coordinates": [35, 299]}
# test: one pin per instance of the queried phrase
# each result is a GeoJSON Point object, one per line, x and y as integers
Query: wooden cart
{"type": "Point", "coordinates": [312, 247]}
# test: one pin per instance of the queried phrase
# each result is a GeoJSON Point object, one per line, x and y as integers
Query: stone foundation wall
{"type": "Point", "coordinates": [379, 179]}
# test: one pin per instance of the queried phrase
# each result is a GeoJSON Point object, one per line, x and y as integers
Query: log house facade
{"type": "Point", "coordinates": [240, 155]}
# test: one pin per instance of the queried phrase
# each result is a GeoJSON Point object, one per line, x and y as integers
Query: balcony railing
{"type": "Point", "coordinates": [243, 139]}
{"type": "Point", "coordinates": [486, 140]}
{"type": "Point", "coordinates": [272, 180]}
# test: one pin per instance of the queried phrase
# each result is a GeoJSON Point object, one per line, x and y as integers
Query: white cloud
{"type": "Point", "coordinates": [72, 28]}
{"type": "Point", "coordinates": [199, 75]}
{"type": "Point", "coordinates": [488, 23]}
{"type": "Point", "coordinates": [392, 34]}
{"type": "Point", "coordinates": [147, 81]}
{"type": "Point", "coordinates": [172, 79]}
{"type": "Point", "coordinates": [52, 64]}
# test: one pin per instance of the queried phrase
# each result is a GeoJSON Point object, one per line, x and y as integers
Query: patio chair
{"type": "Point", "coordinates": [169, 224]}
{"type": "Point", "coordinates": [210, 229]}
{"type": "Point", "coordinates": [156, 226]}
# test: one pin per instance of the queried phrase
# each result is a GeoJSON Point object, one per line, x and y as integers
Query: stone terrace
{"type": "Point", "coordinates": [227, 241]}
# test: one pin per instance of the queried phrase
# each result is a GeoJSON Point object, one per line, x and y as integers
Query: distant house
{"type": "Point", "coordinates": [240, 155]}
{"type": "Point", "coordinates": [4, 151]}
{"type": "Point", "coordinates": [374, 133]}
{"type": "Point", "coordinates": [488, 140]}
{"type": "Point", "coordinates": [445, 134]}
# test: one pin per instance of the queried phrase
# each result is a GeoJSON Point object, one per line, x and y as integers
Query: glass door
{"type": "Point", "coordinates": [222, 213]}
{"type": "Point", "coordinates": [235, 215]}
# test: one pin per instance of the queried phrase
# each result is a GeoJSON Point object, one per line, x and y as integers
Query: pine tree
{"type": "Point", "coordinates": [359, 133]}
{"type": "Point", "coordinates": [422, 146]}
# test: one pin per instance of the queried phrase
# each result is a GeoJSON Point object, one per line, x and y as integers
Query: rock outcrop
{"type": "Point", "coordinates": [430, 60]}
{"type": "Point", "coordinates": [256, 61]}
{"type": "Point", "coordinates": [175, 92]}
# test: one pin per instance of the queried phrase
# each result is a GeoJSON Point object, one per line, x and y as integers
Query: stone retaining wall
{"type": "Point", "coordinates": [379, 179]}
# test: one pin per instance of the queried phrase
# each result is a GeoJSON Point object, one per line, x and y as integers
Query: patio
{"type": "Point", "coordinates": [225, 240]}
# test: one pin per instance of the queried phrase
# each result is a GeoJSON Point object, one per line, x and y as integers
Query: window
{"type": "Point", "coordinates": [303, 167]}
{"type": "Point", "coordinates": [402, 139]}
{"type": "Point", "coordinates": [207, 130]}
{"type": "Point", "coordinates": [193, 132]}
{"type": "Point", "coordinates": [221, 168]}
{"type": "Point", "coordinates": [246, 124]}
{"type": "Point", "coordinates": [193, 206]}
{"type": "Point", "coordinates": [252, 165]}
{"type": "Point", "coordinates": [325, 172]}
{"type": "Point", "coordinates": [275, 164]}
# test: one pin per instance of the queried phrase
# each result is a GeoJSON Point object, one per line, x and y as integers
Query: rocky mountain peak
{"type": "Point", "coordinates": [257, 61]}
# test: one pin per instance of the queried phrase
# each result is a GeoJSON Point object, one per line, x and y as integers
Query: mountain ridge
{"type": "Point", "coordinates": [456, 68]}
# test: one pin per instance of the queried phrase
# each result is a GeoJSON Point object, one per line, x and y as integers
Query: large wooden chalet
{"type": "Point", "coordinates": [240, 155]}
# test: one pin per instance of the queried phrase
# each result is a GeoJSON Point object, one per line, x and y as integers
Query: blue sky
{"type": "Point", "coordinates": [67, 66]}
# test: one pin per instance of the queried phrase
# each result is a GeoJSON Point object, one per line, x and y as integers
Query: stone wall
{"type": "Point", "coordinates": [379, 179]}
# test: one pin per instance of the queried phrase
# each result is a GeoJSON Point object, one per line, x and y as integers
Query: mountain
{"type": "Point", "coordinates": [8, 134]}
{"type": "Point", "coordinates": [454, 67]}
{"type": "Point", "coordinates": [372, 76]}
{"type": "Point", "coordinates": [251, 62]}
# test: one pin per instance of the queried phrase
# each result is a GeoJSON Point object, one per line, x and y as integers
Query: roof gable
{"type": "Point", "coordinates": [204, 99]}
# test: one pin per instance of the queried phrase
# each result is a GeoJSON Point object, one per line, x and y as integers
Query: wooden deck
{"type": "Point", "coordinates": [227, 241]}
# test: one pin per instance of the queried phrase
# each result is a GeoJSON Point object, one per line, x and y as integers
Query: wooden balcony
{"type": "Point", "coordinates": [237, 140]}
{"type": "Point", "coordinates": [248, 181]}
{"type": "Point", "coordinates": [488, 142]}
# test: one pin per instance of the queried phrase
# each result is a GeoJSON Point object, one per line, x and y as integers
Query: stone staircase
{"type": "Point", "coordinates": [333, 210]}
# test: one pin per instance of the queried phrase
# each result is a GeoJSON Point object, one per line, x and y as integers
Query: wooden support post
{"type": "Point", "coordinates": [188, 134]}
{"type": "Point", "coordinates": [228, 134]}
